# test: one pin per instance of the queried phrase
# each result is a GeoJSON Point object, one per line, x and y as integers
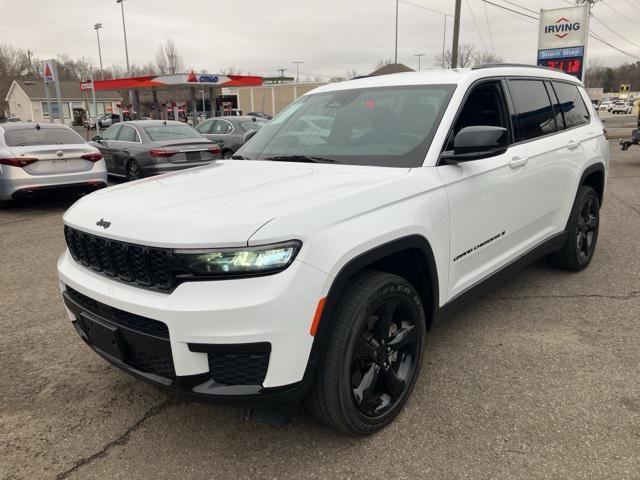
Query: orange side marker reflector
{"type": "Point", "coordinates": [316, 317]}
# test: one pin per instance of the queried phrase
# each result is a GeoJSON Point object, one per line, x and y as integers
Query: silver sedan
{"type": "Point", "coordinates": [38, 158]}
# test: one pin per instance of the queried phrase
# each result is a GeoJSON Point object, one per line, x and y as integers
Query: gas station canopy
{"type": "Point", "coordinates": [180, 80]}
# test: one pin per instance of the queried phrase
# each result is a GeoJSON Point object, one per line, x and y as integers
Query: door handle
{"type": "Point", "coordinates": [573, 144]}
{"type": "Point", "coordinates": [517, 162]}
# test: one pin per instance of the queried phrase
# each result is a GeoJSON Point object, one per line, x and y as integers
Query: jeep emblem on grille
{"type": "Point", "coordinates": [103, 223]}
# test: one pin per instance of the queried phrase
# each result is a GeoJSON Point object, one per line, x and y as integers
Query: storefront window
{"type": "Point", "coordinates": [54, 108]}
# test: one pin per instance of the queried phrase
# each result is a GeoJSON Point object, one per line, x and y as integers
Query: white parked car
{"type": "Point", "coordinates": [605, 106]}
{"type": "Point", "coordinates": [311, 266]}
{"type": "Point", "coordinates": [621, 107]}
{"type": "Point", "coordinates": [37, 159]}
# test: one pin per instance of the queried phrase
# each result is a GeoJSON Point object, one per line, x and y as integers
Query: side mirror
{"type": "Point", "coordinates": [248, 135]}
{"type": "Point", "coordinates": [96, 138]}
{"type": "Point", "coordinates": [474, 143]}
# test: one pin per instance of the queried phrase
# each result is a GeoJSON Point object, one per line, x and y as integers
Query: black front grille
{"type": "Point", "coordinates": [120, 317]}
{"type": "Point", "coordinates": [146, 266]}
{"type": "Point", "coordinates": [238, 368]}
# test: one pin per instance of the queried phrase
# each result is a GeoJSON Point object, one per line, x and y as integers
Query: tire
{"type": "Point", "coordinates": [364, 379]}
{"type": "Point", "coordinates": [133, 170]}
{"type": "Point", "coordinates": [582, 233]}
{"type": "Point", "coordinates": [227, 154]}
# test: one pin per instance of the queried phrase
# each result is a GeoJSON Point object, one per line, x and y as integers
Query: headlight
{"type": "Point", "coordinates": [240, 261]}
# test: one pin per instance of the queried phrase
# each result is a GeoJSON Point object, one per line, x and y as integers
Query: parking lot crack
{"type": "Point", "coordinates": [122, 439]}
{"type": "Point", "coordinates": [624, 202]}
{"type": "Point", "coordinates": [630, 295]}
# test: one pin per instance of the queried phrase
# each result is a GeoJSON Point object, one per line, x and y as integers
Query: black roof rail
{"type": "Point", "coordinates": [506, 65]}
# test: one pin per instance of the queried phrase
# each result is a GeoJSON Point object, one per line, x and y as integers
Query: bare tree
{"type": "Point", "coordinates": [383, 63]}
{"type": "Point", "coordinates": [168, 59]}
{"type": "Point", "coordinates": [468, 56]}
{"type": "Point", "coordinates": [231, 70]}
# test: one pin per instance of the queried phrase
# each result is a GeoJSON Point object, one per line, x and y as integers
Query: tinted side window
{"type": "Point", "coordinates": [557, 110]}
{"type": "Point", "coordinates": [573, 107]}
{"type": "Point", "coordinates": [128, 134]}
{"type": "Point", "coordinates": [534, 113]}
{"type": "Point", "coordinates": [111, 133]}
{"type": "Point", "coordinates": [205, 127]}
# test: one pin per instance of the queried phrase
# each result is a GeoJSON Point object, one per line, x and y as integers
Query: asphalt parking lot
{"type": "Point", "coordinates": [539, 379]}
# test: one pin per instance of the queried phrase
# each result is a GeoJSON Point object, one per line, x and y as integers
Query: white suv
{"type": "Point", "coordinates": [311, 265]}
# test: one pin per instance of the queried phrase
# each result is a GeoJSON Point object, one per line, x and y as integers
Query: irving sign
{"type": "Point", "coordinates": [562, 39]}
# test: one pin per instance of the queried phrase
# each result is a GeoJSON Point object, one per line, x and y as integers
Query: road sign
{"type": "Point", "coordinates": [562, 39]}
{"type": "Point", "coordinates": [86, 85]}
{"type": "Point", "coordinates": [48, 70]}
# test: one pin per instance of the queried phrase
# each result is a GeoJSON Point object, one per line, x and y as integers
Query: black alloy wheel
{"type": "Point", "coordinates": [586, 231]}
{"type": "Point", "coordinates": [376, 336]}
{"type": "Point", "coordinates": [133, 170]}
{"type": "Point", "coordinates": [582, 232]}
{"type": "Point", "coordinates": [384, 357]}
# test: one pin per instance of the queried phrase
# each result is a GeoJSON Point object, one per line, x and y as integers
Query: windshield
{"type": "Point", "coordinates": [384, 126]}
{"type": "Point", "coordinates": [171, 132]}
{"type": "Point", "coordinates": [41, 136]}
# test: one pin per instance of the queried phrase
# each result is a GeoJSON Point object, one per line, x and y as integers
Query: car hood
{"type": "Point", "coordinates": [221, 204]}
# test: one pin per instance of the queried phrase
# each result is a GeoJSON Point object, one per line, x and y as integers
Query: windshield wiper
{"type": "Point", "coordinates": [239, 157]}
{"type": "Point", "coordinates": [301, 158]}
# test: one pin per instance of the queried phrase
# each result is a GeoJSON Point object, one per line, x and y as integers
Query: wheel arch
{"type": "Point", "coordinates": [594, 177]}
{"type": "Point", "coordinates": [400, 257]}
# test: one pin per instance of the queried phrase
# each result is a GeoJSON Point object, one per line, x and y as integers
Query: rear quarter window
{"type": "Point", "coordinates": [41, 136]}
{"type": "Point", "coordinates": [573, 107]}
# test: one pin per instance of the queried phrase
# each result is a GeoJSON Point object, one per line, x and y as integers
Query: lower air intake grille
{"type": "Point", "coordinates": [238, 368]}
{"type": "Point", "coordinates": [149, 363]}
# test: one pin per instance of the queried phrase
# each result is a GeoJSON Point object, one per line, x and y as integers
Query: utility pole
{"type": "Point", "coordinates": [126, 52]}
{"type": "Point", "coordinates": [419, 55]}
{"type": "Point", "coordinates": [396, 55]}
{"type": "Point", "coordinates": [297, 62]}
{"type": "Point", "coordinates": [444, 39]}
{"type": "Point", "coordinates": [456, 35]}
{"type": "Point", "coordinates": [281, 70]}
{"type": "Point", "coordinates": [97, 28]}
{"type": "Point", "coordinates": [124, 29]}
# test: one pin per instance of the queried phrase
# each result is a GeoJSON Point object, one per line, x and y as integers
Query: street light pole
{"type": "Point", "coordinates": [97, 28]}
{"type": "Point", "coordinates": [126, 53]}
{"type": "Point", "coordinates": [456, 35]}
{"type": "Point", "coordinates": [297, 62]}
{"type": "Point", "coordinates": [124, 29]}
{"type": "Point", "coordinates": [444, 39]}
{"type": "Point", "coordinates": [396, 55]}
{"type": "Point", "coordinates": [419, 55]}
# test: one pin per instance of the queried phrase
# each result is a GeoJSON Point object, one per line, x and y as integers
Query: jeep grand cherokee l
{"type": "Point", "coordinates": [310, 266]}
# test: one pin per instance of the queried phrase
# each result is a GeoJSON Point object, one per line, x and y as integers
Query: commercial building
{"type": "Point", "coordinates": [27, 100]}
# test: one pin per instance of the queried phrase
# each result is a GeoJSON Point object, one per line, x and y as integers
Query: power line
{"type": "Point", "coordinates": [425, 8]}
{"type": "Point", "coordinates": [520, 6]}
{"type": "Point", "coordinates": [510, 10]}
{"type": "Point", "coordinates": [614, 32]}
{"type": "Point", "coordinates": [620, 13]}
{"type": "Point", "coordinates": [486, 17]}
{"type": "Point", "coordinates": [475, 21]}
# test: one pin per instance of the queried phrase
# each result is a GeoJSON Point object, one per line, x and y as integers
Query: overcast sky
{"type": "Point", "coordinates": [258, 36]}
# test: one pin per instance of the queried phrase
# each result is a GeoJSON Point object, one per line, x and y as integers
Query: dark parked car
{"type": "Point", "coordinates": [108, 119]}
{"type": "Point", "coordinates": [259, 115]}
{"type": "Point", "coordinates": [148, 147]}
{"type": "Point", "coordinates": [228, 132]}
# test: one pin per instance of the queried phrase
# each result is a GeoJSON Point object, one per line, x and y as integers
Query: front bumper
{"type": "Point", "coordinates": [209, 325]}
